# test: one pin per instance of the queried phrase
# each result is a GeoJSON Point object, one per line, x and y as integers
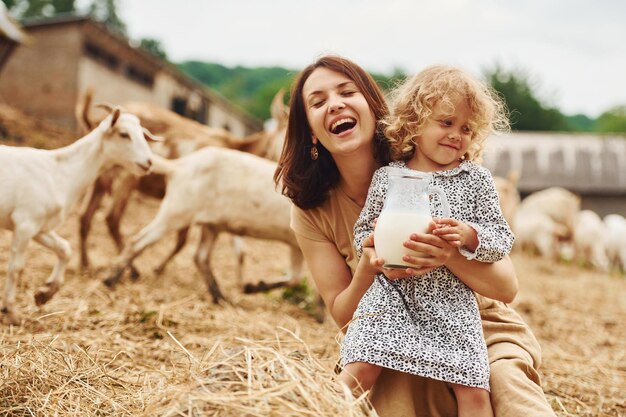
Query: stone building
{"type": "Point", "coordinates": [11, 35]}
{"type": "Point", "coordinates": [69, 54]}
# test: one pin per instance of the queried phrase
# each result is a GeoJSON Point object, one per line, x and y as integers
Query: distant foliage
{"type": "Point", "coordinates": [37, 8]}
{"type": "Point", "coordinates": [154, 46]}
{"type": "Point", "coordinates": [104, 11]}
{"type": "Point", "coordinates": [581, 123]}
{"type": "Point", "coordinates": [250, 88]}
{"type": "Point", "coordinates": [254, 88]}
{"type": "Point", "coordinates": [527, 112]}
{"type": "Point", "coordinates": [613, 121]}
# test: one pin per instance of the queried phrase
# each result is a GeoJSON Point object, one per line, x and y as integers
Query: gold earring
{"type": "Point", "coordinates": [314, 153]}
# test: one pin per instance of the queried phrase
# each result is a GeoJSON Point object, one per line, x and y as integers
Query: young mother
{"type": "Point", "coordinates": [333, 146]}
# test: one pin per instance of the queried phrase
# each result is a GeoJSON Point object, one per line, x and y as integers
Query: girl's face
{"type": "Point", "coordinates": [444, 139]}
{"type": "Point", "coordinates": [337, 112]}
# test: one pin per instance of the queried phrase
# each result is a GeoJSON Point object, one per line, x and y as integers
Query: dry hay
{"type": "Point", "coordinates": [159, 347]}
{"type": "Point", "coordinates": [19, 129]}
{"type": "Point", "coordinates": [577, 315]}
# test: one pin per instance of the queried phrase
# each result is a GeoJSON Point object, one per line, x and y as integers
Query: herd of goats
{"type": "Point", "coordinates": [221, 183]}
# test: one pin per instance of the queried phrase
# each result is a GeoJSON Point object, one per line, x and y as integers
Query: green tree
{"type": "Point", "coordinates": [154, 46]}
{"type": "Point", "coordinates": [581, 123]}
{"type": "Point", "coordinates": [10, 3]}
{"type": "Point", "coordinates": [105, 11]}
{"type": "Point", "coordinates": [388, 82]}
{"type": "Point", "coordinates": [38, 8]}
{"type": "Point", "coordinates": [613, 120]}
{"type": "Point", "coordinates": [527, 112]}
{"type": "Point", "coordinates": [250, 88]}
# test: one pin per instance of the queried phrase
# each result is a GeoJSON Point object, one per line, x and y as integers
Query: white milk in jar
{"type": "Point", "coordinates": [392, 229]}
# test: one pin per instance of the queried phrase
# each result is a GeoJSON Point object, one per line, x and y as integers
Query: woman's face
{"type": "Point", "coordinates": [338, 114]}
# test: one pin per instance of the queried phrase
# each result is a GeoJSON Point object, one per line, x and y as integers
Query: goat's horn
{"type": "Point", "coordinates": [82, 114]}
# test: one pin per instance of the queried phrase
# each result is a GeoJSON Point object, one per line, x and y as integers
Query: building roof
{"type": "Point", "coordinates": [89, 24]}
{"type": "Point", "coordinates": [581, 162]}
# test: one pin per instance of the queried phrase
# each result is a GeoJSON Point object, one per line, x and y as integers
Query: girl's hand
{"type": "Point", "coordinates": [456, 233]}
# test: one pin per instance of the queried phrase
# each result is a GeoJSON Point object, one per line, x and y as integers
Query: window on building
{"type": "Point", "coordinates": [99, 54]}
{"type": "Point", "coordinates": [139, 76]}
{"type": "Point", "coordinates": [179, 105]}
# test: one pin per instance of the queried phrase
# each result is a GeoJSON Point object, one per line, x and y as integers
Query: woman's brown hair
{"type": "Point", "coordinates": [305, 181]}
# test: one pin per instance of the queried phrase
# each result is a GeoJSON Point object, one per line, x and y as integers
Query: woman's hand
{"type": "Point", "coordinates": [436, 251]}
{"type": "Point", "coordinates": [377, 263]}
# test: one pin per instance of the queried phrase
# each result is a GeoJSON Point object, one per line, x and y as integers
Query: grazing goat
{"type": "Point", "coordinates": [39, 188]}
{"type": "Point", "coordinates": [544, 219]}
{"type": "Point", "coordinates": [182, 137]}
{"type": "Point", "coordinates": [561, 205]}
{"type": "Point", "coordinates": [222, 190]}
{"type": "Point", "coordinates": [590, 240]}
{"type": "Point", "coordinates": [536, 232]}
{"type": "Point", "coordinates": [616, 240]}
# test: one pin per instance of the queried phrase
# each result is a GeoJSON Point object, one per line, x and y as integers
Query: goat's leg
{"type": "Point", "coordinates": [180, 243]}
{"type": "Point", "coordinates": [293, 279]}
{"type": "Point", "coordinates": [98, 191]}
{"type": "Point", "coordinates": [120, 198]}
{"type": "Point", "coordinates": [203, 262]}
{"type": "Point", "coordinates": [146, 237]}
{"type": "Point", "coordinates": [119, 201]}
{"type": "Point", "coordinates": [239, 250]}
{"type": "Point", "coordinates": [63, 251]}
{"type": "Point", "coordinates": [21, 237]}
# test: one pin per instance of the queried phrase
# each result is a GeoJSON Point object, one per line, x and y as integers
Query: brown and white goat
{"type": "Point", "coordinates": [182, 137]}
{"type": "Point", "coordinates": [221, 190]}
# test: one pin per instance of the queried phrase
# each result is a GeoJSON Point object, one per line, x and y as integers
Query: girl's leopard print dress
{"type": "Point", "coordinates": [429, 325]}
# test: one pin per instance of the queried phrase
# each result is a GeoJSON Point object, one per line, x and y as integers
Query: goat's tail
{"type": "Point", "coordinates": [161, 165]}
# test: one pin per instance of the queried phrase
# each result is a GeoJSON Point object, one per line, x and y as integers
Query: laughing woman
{"type": "Point", "coordinates": [333, 146]}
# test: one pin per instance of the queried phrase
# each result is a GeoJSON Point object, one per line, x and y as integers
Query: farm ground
{"type": "Point", "coordinates": [159, 347]}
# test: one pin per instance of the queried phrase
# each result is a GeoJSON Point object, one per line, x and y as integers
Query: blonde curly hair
{"type": "Point", "coordinates": [414, 101]}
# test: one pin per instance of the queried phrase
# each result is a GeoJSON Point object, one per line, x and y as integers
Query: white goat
{"type": "Point", "coordinates": [39, 188]}
{"type": "Point", "coordinates": [616, 240]}
{"type": "Point", "coordinates": [222, 190]}
{"type": "Point", "coordinates": [559, 204]}
{"type": "Point", "coordinates": [590, 240]}
{"type": "Point", "coordinates": [536, 232]}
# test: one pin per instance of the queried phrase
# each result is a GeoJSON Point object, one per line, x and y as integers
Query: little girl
{"type": "Point", "coordinates": [429, 325]}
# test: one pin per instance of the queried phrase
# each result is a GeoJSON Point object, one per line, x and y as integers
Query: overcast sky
{"type": "Point", "coordinates": [575, 50]}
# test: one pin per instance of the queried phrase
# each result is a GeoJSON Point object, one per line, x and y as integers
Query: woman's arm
{"type": "Point", "coordinates": [339, 290]}
{"type": "Point", "coordinates": [493, 280]}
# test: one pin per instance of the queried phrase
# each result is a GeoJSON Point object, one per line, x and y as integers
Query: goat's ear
{"type": "Point", "coordinates": [149, 136]}
{"type": "Point", "coordinates": [116, 115]}
{"type": "Point", "coordinates": [108, 107]}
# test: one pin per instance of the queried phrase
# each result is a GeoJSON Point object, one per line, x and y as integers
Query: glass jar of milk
{"type": "Point", "coordinates": [406, 210]}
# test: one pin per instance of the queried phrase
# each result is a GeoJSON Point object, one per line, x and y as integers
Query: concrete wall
{"type": "Point", "coordinates": [109, 86]}
{"type": "Point", "coordinates": [47, 78]}
{"type": "Point", "coordinates": [40, 79]}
